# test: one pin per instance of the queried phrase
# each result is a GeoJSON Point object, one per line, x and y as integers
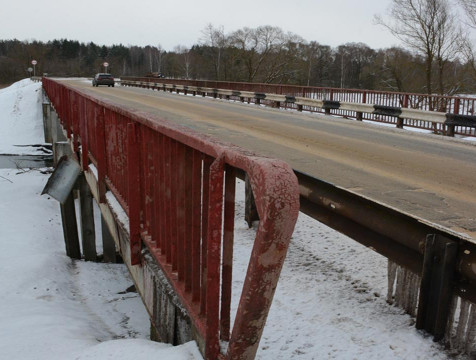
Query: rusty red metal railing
{"type": "Point", "coordinates": [440, 103]}
{"type": "Point", "coordinates": [178, 189]}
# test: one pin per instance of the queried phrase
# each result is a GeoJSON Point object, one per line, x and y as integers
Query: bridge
{"type": "Point", "coordinates": [386, 188]}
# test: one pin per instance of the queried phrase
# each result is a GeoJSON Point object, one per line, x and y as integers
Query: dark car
{"type": "Point", "coordinates": [103, 79]}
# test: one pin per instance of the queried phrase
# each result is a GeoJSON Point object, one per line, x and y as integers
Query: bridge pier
{"type": "Point", "coordinates": [108, 244]}
{"type": "Point", "coordinates": [47, 122]}
{"type": "Point", "coordinates": [88, 234]}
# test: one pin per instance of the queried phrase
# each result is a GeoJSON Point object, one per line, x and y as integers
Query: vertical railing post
{"type": "Point", "coordinates": [204, 232]}
{"type": "Point", "coordinates": [75, 118]}
{"type": "Point", "coordinates": [405, 101]}
{"type": "Point", "coordinates": [83, 128]}
{"type": "Point", "coordinates": [188, 226]}
{"type": "Point", "coordinates": [180, 209]}
{"type": "Point", "coordinates": [133, 158]}
{"type": "Point", "coordinates": [359, 114]}
{"type": "Point", "coordinates": [101, 152]}
{"type": "Point", "coordinates": [227, 269]}
{"type": "Point", "coordinates": [450, 129]}
{"type": "Point", "coordinates": [174, 224]}
{"type": "Point", "coordinates": [162, 198]}
{"type": "Point", "coordinates": [327, 111]}
{"type": "Point", "coordinates": [215, 213]}
{"type": "Point", "coordinates": [196, 223]}
{"type": "Point", "coordinates": [168, 199]}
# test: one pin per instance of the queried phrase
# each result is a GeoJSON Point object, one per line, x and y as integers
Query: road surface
{"type": "Point", "coordinates": [428, 176]}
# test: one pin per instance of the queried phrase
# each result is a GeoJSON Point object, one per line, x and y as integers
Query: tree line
{"type": "Point", "coordinates": [437, 56]}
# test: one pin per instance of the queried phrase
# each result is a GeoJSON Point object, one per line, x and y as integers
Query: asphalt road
{"type": "Point", "coordinates": [428, 176]}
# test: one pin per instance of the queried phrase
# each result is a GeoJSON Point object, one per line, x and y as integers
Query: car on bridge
{"type": "Point", "coordinates": [103, 79]}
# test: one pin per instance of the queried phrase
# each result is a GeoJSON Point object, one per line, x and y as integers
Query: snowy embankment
{"type": "Point", "coordinates": [21, 118]}
{"type": "Point", "coordinates": [53, 308]}
{"type": "Point", "coordinates": [329, 304]}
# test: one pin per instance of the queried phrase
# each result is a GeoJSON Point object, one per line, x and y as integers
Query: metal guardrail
{"type": "Point", "coordinates": [177, 188]}
{"type": "Point", "coordinates": [442, 114]}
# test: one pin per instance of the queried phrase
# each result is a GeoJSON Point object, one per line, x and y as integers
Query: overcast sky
{"type": "Point", "coordinates": [180, 22]}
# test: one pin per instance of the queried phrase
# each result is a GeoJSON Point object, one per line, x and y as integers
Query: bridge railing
{"type": "Point", "coordinates": [464, 106]}
{"type": "Point", "coordinates": [432, 270]}
{"type": "Point", "coordinates": [178, 189]}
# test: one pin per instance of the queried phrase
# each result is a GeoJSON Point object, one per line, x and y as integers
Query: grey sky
{"type": "Point", "coordinates": [179, 22]}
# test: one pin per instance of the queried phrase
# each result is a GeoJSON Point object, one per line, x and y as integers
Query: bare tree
{"type": "Point", "coordinates": [215, 38]}
{"type": "Point", "coordinates": [265, 50]}
{"type": "Point", "coordinates": [186, 57]}
{"type": "Point", "coordinates": [400, 70]}
{"type": "Point", "coordinates": [256, 45]}
{"type": "Point", "coordinates": [469, 7]}
{"type": "Point", "coordinates": [428, 27]}
{"type": "Point", "coordinates": [160, 54]}
{"type": "Point", "coordinates": [312, 52]}
{"type": "Point", "coordinates": [150, 51]}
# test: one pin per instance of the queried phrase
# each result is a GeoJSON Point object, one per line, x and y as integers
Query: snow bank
{"type": "Point", "coordinates": [21, 118]}
{"type": "Point", "coordinates": [50, 306]}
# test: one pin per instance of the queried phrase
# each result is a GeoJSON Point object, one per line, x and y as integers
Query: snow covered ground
{"type": "Point", "coordinates": [50, 306]}
{"type": "Point", "coordinates": [329, 304]}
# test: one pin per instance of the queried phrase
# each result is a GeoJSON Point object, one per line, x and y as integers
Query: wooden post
{"type": "Point", "coordinates": [88, 234]}
{"type": "Point", "coordinates": [359, 114]}
{"type": "Point", "coordinates": [68, 212]}
{"type": "Point", "coordinates": [108, 244]}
